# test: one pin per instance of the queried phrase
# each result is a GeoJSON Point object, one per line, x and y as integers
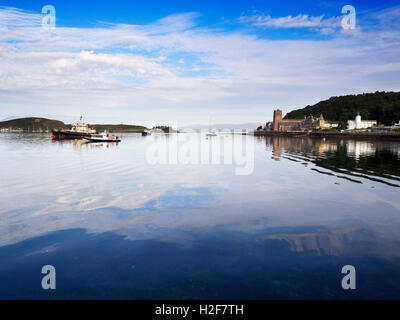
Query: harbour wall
{"type": "Point", "coordinates": [342, 135]}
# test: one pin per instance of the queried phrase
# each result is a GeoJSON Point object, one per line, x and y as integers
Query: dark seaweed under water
{"type": "Point", "coordinates": [116, 227]}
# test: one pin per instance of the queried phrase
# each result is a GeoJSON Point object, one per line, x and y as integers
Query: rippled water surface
{"type": "Point", "coordinates": [116, 226]}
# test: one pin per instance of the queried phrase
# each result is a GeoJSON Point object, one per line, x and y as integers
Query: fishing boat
{"type": "Point", "coordinates": [146, 133]}
{"type": "Point", "coordinates": [102, 137]}
{"type": "Point", "coordinates": [79, 130]}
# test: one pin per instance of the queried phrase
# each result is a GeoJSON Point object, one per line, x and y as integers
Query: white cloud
{"type": "Point", "coordinates": [299, 21]}
{"type": "Point", "coordinates": [134, 73]}
{"type": "Point", "coordinates": [16, 18]}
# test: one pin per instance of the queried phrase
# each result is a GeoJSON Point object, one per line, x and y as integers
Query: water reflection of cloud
{"type": "Point", "coordinates": [116, 190]}
{"type": "Point", "coordinates": [345, 241]}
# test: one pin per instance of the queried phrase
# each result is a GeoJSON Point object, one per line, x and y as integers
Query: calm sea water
{"type": "Point", "coordinates": [116, 226]}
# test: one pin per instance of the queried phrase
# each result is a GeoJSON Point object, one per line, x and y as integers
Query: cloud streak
{"type": "Point", "coordinates": [174, 69]}
{"type": "Point", "coordinates": [299, 21]}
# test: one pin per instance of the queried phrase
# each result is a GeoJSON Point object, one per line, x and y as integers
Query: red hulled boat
{"type": "Point", "coordinates": [78, 131]}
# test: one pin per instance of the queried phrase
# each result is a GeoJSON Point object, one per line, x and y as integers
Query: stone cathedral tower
{"type": "Point", "coordinates": [277, 119]}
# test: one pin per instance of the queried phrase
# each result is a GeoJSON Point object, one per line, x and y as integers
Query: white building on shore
{"type": "Point", "coordinates": [360, 124]}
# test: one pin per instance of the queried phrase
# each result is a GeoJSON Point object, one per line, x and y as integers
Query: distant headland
{"type": "Point", "coordinates": [38, 125]}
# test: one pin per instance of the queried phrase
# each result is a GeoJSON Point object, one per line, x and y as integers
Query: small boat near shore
{"type": "Point", "coordinates": [211, 134]}
{"type": "Point", "coordinates": [102, 137]}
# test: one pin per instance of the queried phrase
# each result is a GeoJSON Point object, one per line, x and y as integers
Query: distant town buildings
{"type": "Point", "coordinates": [383, 128]}
{"type": "Point", "coordinates": [21, 130]}
{"type": "Point", "coordinates": [360, 124]}
{"type": "Point", "coordinates": [11, 130]}
{"type": "Point", "coordinates": [307, 124]}
{"type": "Point", "coordinates": [311, 123]}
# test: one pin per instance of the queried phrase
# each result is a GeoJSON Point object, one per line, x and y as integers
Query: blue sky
{"type": "Point", "coordinates": [74, 13]}
{"type": "Point", "coordinates": [151, 62]}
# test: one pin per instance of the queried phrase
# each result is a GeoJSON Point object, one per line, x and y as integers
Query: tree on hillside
{"type": "Point", "coordinates": [381, 106]}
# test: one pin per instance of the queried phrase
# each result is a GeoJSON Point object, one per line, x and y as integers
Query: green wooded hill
{"type": "Point", "coordinates": [381, 106]}
{"type": "Point", "coordinates": [33, 124]}
{"type": "Point", "coordinates": [117, 127]}
{"type": "Point", "coordinates": [42, 125]}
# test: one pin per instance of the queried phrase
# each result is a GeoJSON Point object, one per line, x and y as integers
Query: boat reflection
{"type": "Point", "coordinates": [103, 145]}
{"type": "Point", "coordinates": [85, 145]}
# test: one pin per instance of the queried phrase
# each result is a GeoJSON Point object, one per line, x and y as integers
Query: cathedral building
{"type": "Point", "coordinates": [307, 124]}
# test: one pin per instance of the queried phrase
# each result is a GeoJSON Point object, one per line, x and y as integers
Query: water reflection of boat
{"type": "Point", "coordinates": [102, 137]}
{"type": "Point", "coordinates": [78, 131]}
{"type": "Point", "coordinates": [97, 145]}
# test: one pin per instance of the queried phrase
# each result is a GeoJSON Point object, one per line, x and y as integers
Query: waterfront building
{"type": "Point", "coordinates": [383, 128]}
{"type": "Point", "coordinates": [330, 124]}
{"type": "Point", "coordinates": [307, 124]}
{"type": "Point", "coordinates": [310, 123]}
{"type": "Point", "coordinates": [269, 126]}
{"type": "Point", "coordinates": [280, 124]}
{"type": "Point", "coordinates": [360, 124]}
